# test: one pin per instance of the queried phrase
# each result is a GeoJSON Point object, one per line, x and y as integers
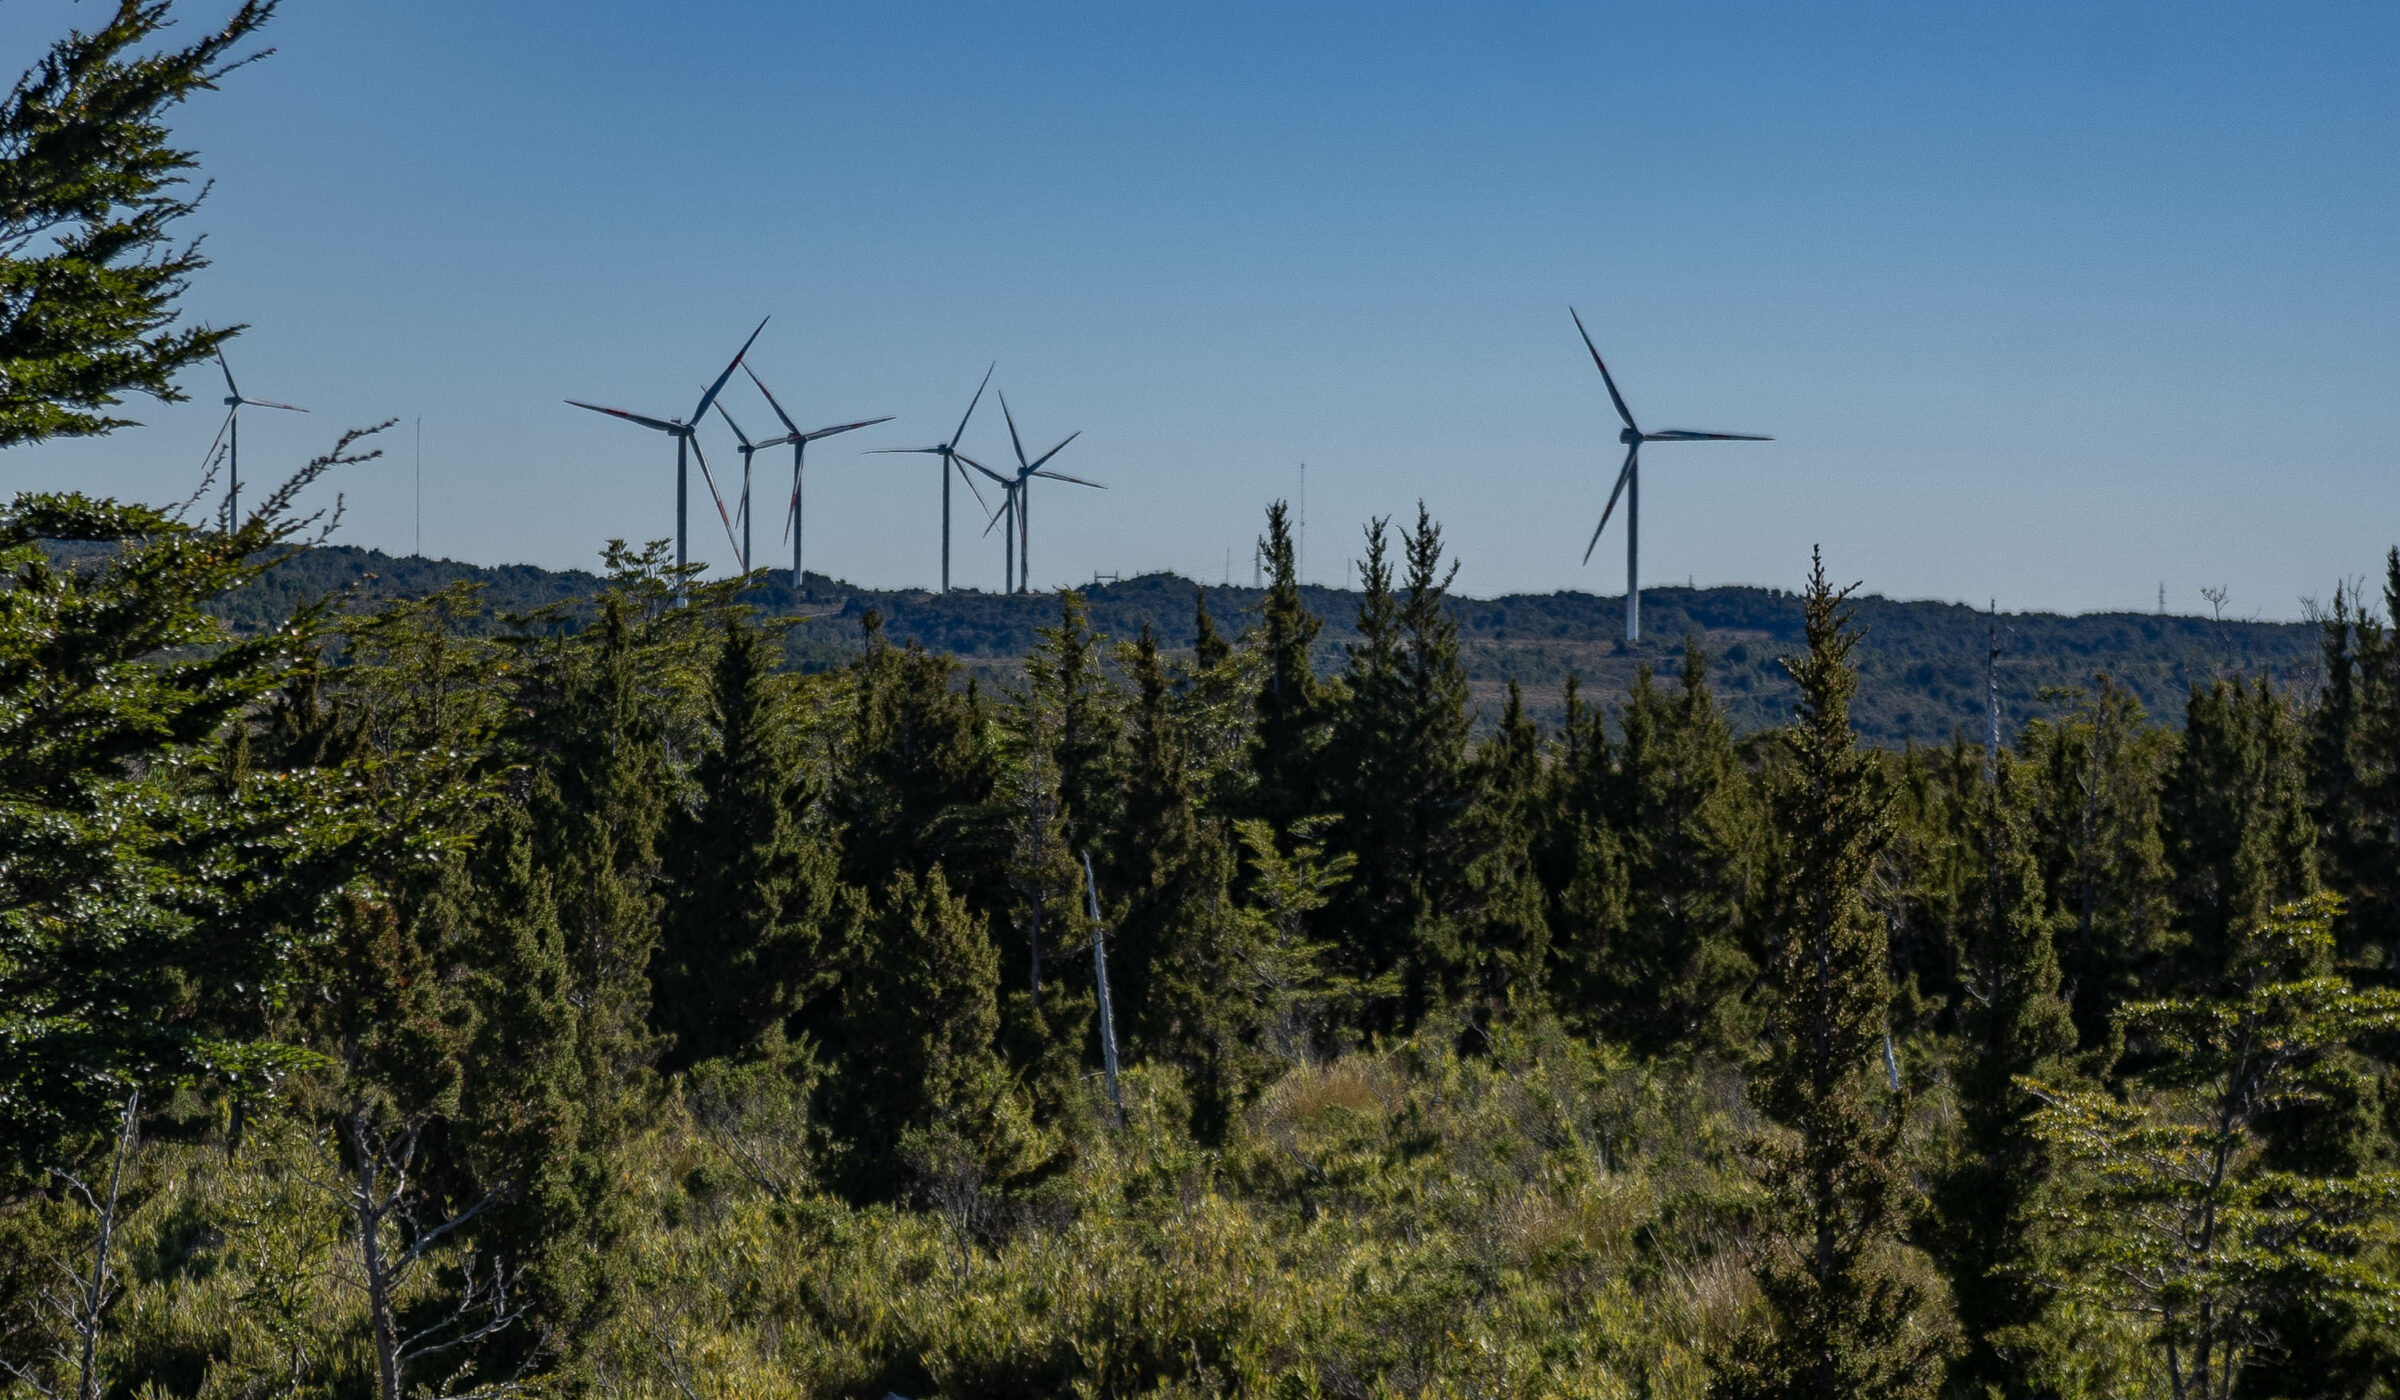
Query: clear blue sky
{"type": "Point", "coordinates": [2054, 303]}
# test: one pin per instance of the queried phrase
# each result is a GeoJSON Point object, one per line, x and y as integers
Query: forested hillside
{"type": "Point", "coordinates": [1921, 665]}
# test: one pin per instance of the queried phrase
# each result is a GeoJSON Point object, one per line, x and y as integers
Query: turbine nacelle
{"type": "Point", "coordinates": [1628, 436]}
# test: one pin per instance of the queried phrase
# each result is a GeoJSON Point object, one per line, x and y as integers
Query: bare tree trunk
{"type": "Point", "coordinates": [101, 1286]}
{"type": "Point", "coordinates": [371, 1261]}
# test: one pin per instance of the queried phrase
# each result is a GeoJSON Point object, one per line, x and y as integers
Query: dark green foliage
{"type": "Point", "coordinates": [92, 188]}
{"type": "Point", "coordinates": [1398, 770]}
{"type": "Point", "coordinates": [154, 888]}
{"type": "Point", "coordinates": [1678, 810]}
{"type": "Point", "coordinates": [1851, 1318]}
{"type": "Point", "coordinates": [2354, 768]}
{"type": "Point", "coordinates": [920, 1013]}
{"type": "Point", "coordinates": [755, 914]}
{"type": "Point", "coordinates": [2182, 1218]}
{"type": "Point", "coordinates": [2014, 1027]}
{"type": "Point", "coordinates": [2238, 835]}
{"type": "Point", "coordinates": [1509, 933]}
{"type": "Point", "coordinates": [2097, 830]}
{"type": "Point", "coordinates": [1293, 705]}
{"type": "Point", "coordinates": [914, 773]}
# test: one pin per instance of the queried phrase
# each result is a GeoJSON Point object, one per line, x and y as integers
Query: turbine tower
{"type": "Point", "coordinates": [1019, 493]}
{"type": "Point", "coordinates": [229, 432]}
{"type": "Point", "coordinates": [953, 458]}
{"type": "Point", "coordinates": [1629, 483]}
{"type": "Point", "coordinates": [683, 430]}
{"type": "Point", "coordinates": [799, 441]}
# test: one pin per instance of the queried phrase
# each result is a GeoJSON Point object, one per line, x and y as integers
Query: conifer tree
{"type": "Point", "coordinates": [2354, 766]}
{"type": "Point", "coordinates": [1293, 705]}
{"type": "Point", "coordinates": [1510, 932]}
{"type": "Point", "coordinates": [599, 706]}
{"type": "Point", "coordinates": [522, 1112]}
{"type": "Point", "coordinates": [914, 774]}
{"type": "Point", "coordinates": [1584, 869]}
{"type": "Point", "coordinates": [755, 910]}
{"type": "Point", "coordinates": [1157, 844]}
{"type": "Point", "coordinates": [1405, 785]}
{"type": "Point", "coordinates": [2015, 1028]}
{"type": "Point", "coordinates": [920, 1013]}
{"type": "Point", "coordinates": [1678, 811]}
{"type": "Point", "coordinates": [1849, 1318]}
{"type": "Point", "coordinates": [2097, 833]}
{"type": "Point", "coordinates": [1065, 670]}
{"type": "Point", "coordinates": [92, 188]}
{"type": "Point", "coordinates": [156, 889]}
{"type": "Point", "coordinates": [2238, 833]}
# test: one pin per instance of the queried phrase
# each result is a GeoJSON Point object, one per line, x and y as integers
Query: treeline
{"type": "Point", "coordinates": [424, 936]}
{"type": "Point", "coordinates": [1922, 668]}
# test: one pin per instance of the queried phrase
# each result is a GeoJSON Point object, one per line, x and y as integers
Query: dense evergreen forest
{"type": "Point", "coordinates": [431, 997]}
{"type": "Point", "coordinates": [1922, 666]}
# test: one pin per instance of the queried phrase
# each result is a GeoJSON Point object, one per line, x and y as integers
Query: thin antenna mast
{"type": "Point", "coordinates": [420, 486]}
{"type": "Point", "coordinates": [1300, 544]}
{"type": "Point", "coordinates": [1108, 1020]}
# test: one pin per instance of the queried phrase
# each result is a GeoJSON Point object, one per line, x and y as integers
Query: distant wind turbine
{"type": "Point", "coordinates": [748, 449]}
{"type": "Point", "coordinates": [229, 432]}
{"type": "Point", "coordinates": [1629, 483]}
{"type": "Point", "coordinates": [687, 443]}
{"type": "Point", "coordinates": [799, 442]}
{"type": "Point", "coordinates": [1018, 493]}
{"type": "Point", "coordinates": [953, 458]}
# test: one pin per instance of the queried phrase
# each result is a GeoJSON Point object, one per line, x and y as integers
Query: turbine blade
{"type": "Point", "coordinates": [962, 418]}
{"type": "Point", "coordinates": [788, 425]}
{"type": "Point", "coordinates": [717, 496]}
{"type": "Point", "coordinates": [1624, 475]}
{"type": "Point", "coordinates": [1062, 476]}
{"type": "Point", "coordinates": [887, 451]}
{"type": "Point", "coordinates": [219, 440]}
{"type": "Point", "coordinates": [1013, 440]}
{"type": "Point", "coordinates": [956, 460]}
{"type": "Point", "coordinates": [1007, 511]}
{"type": "Point", "coordinates": [270, 403]}
{"type": "Point", "coordinates": [987, 471]}
{"type": "Point", "coordinates": [662, 424]}
{"type": "Point", "coordinates": [738, 435]}
{"type": "Point", "coordinates": [230, 387]}
{"type": "Point", "coordinates": [1062, 442]}
{"type": "Point", "coordinates": [1605, 377]}
{"type": "Point", "coordinates": [714, 389]}
{"type": "Point", "coordinates": [1690, 435]}
{"type": "Point", "coordinates": [844, 428]}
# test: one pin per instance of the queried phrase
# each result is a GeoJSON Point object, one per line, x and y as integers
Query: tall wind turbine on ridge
{"type": "Point", "coordinates": [229, 432]}
{"type": "Point", "coordinates": [1019, 492]}
{"type": "Point", "coordinates": [1629, 483]}
{"type": "Point", "coordinates": [799, 441]}
{"type": "Point", "coordinates": [953, 458]}
{"type": "Point", "coordinates": [686, 444]}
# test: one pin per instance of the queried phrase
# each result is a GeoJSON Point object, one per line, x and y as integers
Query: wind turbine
{"type": "Point", "coordinates": [683, 430]}
{"type": "Point", "coordinates": [229, 432]}
{"type": "Point", "coordinates": [799, 441]}
{"type": "Point", "coordinates": [1629, 483]}
{"type": "Point", "coordinates": [748, 449]}
{"type": "Point", "coordinates": [952, 457]}
{"type": "Point", "coordinates": [1019, 494]}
